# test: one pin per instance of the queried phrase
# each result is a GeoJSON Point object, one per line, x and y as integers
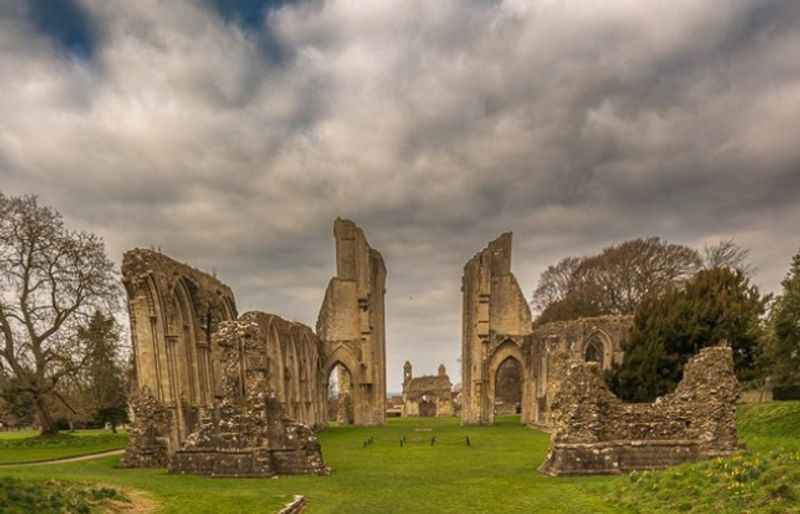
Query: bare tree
{"type": "Point", "coordinates": [614, 281]}
{"type": "Point", "coordinates": [52, 279]}
{"type": "Point", "coordinates": [622, 275]}
{"type": "Point", "coordinates": [728, 254]}
{"type": "Point", "coordinates": [556, 282]}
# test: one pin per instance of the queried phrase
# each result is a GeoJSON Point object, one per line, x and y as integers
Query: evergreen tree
{"type": "Point", "coordinates": [716, 304]}
{"type": "Point", "coordinates": [784, 352]}
{"type": "Point", "coordinates": [105, 379]}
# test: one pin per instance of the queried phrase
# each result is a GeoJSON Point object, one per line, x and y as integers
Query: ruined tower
{"type": "Point", "coordinates": [496, 321]}
{"type": "Point", "coordinates": [351, 321]}
{"type": "Point", "coordinates": [407, 373]}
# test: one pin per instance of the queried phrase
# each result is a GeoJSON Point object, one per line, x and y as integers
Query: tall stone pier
{"type": "Point", "coordinates": [351, 322]}
{"type": "Point", "coordinates": [496, 327]}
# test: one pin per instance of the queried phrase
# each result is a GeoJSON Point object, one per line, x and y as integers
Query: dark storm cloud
{"type": "Point", "coordinates": [434, 125]}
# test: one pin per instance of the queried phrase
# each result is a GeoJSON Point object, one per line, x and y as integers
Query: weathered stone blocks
{"type": "Point", "coordinates": [245, 433]}
{"type": "Point", "coordinates": [148, 441]}
{"type": "Point", "coordinates": [595, 432]}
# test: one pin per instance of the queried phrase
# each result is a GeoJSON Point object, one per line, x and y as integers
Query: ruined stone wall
{"type": "Point", "coordinates": [496, 323]}
{"type": "Point", "coordinates": [549, 343]}
{"type": "Point", "coordinates": [291, 357]}
{"type": "Point", "coordinates": [595, 432]}
{"type": "Point", "coordinates": [496, 326]}
{"type": "Point", "coordinates": [246, 432]}
{"type": "Point", "coordinates": [148, 433]}
{"type": "Point", "coordinates": [351, 321]}
{"type": "Point", "coordinates": [173, 310]}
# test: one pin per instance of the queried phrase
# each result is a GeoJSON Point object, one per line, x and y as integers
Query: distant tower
{"type": "Point", "coordinates": [406, 373]}
{"type": "Point", "coordinates": [442, 370]}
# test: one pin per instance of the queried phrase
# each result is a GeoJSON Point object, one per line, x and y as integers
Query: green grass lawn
{"type": "Point", "coordinates": [764, 480]}
{"type": "Point", "coordinates": [17, 434]}
{"type": "Point", "coordinates": [28, 446]}
{"type": "Point", "coordinates": [497, 474]}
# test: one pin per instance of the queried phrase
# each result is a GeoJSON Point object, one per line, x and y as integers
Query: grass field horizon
{"type": "Point", "coordinates": [496, 474]}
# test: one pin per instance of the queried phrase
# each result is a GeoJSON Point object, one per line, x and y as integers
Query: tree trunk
{"type": "Point", "coordinates": [48, 426]}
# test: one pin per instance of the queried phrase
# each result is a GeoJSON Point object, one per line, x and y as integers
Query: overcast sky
{"type": "Point", "coordinates": [231, 134]}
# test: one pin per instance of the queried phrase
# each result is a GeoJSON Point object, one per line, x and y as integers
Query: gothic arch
{"type": "Point", "coordinates": [341, 356]}
{"type": "Point", "coordinates": [507, 350]}
{"type": "Point", "coordinates": [599, 347]}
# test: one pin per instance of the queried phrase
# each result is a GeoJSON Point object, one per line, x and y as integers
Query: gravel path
{"type": "Point", "coordinates": [63, 460]}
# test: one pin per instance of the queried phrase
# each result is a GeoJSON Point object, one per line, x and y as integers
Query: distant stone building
{"type": "Point", "coordinates": [505, 359]}
{"type": "Point", "coordinates": [429, 395]}
{"type": "Point", "coordinates": [394, 406]}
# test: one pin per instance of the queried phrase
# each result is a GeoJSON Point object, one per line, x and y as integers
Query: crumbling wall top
{"type": "Point", "coordinates": [696, 420]}
{"type": "Point", "coordinates": [140, 264]}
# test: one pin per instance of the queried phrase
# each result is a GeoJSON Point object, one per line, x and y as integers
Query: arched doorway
{"type": "Point", "coordinates": [508, 388]}
{"type": "Point", "coordinates": [594, 351]}
{"type": "Point", "coordinates": [340, 395]}
{"type": "Point", "coordinates": [427, 405]}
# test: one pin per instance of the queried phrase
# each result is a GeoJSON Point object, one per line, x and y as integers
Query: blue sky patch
{"type": "Point", "coordinates": [67, 23]}
{"type": "Point", "coordinates": [248, 13]}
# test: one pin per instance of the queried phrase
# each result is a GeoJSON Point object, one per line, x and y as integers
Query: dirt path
{"type": "Point", "coordinates": [63, 460]}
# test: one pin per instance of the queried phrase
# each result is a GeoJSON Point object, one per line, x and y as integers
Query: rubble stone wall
{"type": "Point", "coordinates": [551, 343]}
{"type": "Point", "coordinates": [291, 355]}
{"type": "Point", "coordinates": [595, 432]}
{"type": "Point", "coordinates": [148, 433]}
{"type": "Point", "coordinates": [246, 433]}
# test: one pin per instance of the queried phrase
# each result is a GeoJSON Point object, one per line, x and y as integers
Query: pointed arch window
{"type": "Point", "coordinates": [594, 351]}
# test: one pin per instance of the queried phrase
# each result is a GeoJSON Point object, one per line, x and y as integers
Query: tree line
{"type": "Point", "coordinates": [681, 300]}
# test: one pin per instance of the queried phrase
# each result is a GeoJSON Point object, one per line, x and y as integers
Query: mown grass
{"type": "Point", "coordinates": [496, 474]}
{"type": "Point", "coordinates": [763, 480]}
{"type": "Point", "coordinates": [62, 445]}
{"type": "Point", "coordinates": [26, 434]}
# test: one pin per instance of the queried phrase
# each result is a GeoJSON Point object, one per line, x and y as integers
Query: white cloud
{"type": "Point", "coordinates": [435, 125]}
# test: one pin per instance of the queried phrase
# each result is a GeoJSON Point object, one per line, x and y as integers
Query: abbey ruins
{"type": "Point", "coordinates": [224, 394]}
{"type": "Point", "coordinates": [183, 319]}
{"type": "Point", "coordinates": [497, 330]}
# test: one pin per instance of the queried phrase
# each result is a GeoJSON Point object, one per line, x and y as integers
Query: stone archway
{"type": "Point", "coordinates": [598, 348]}
{"type": "Point", "coordinates": [507, 350]}
{"type": "Point", "coordinates": [339, 397]}
{"type": "Point", "coordinates": [508, 388]}
{"type": "Point", "coordinates": [342, 359]}
{"type": "Point", "coordinates": [427, 405]}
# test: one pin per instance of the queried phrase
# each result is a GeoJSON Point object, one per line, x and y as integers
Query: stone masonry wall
{"type": "Point", "coordinates": [351, 321]}
{"type": "Point", "coordinates": [595, 432]}
{"type": "Point", "coordinates": [173, 310]}
{"type": "Point", "coordinates": [496, 322]}
{"type": "Point", "coordinates": [291, 355]}
{"type": "Point", "coordinates": [550, 343]}
{"type": "Point", "coordinates": [245, 433]}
